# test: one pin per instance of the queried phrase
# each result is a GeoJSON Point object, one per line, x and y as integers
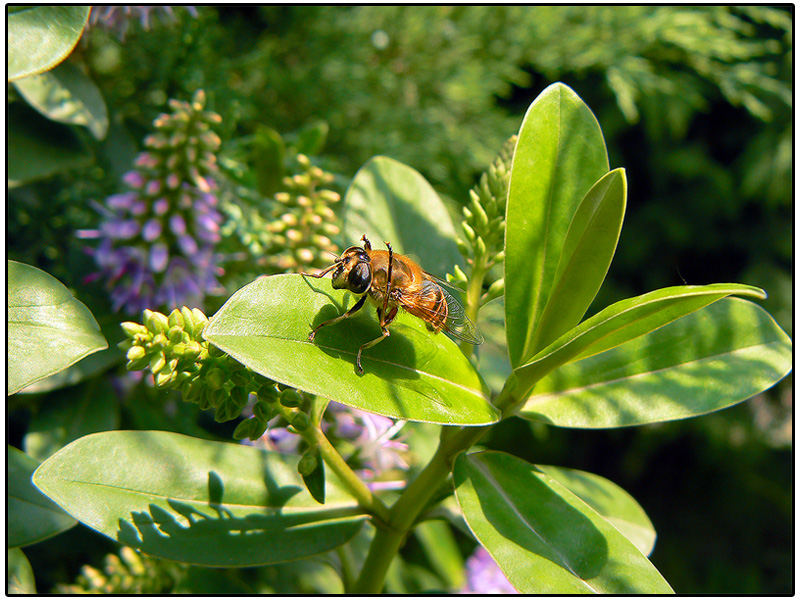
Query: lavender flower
{"type": "Point", "coordinates": [484, 576]}
{"type": "Point", "coordinates": [376, 451]}
{"type": "Point", "coordinates": [118, 18]}
{"type": "Point", "coordinates": [157, 239]}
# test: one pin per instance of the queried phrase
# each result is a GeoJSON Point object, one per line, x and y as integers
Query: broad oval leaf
{"type": "Point", "coordinates": [86, 368]}
{"type": "Point", "coordinates": [32, 517]}
{"type": "Point", "coordinates": [413, 375]}
{"type": "Point", "coordinates": [48, 329]}
{"type": "Point", "coordinates": [391, 202]}
{"type": "Point", "coordinates": [616, 505]}
{"type": "Point", "coordinates": [197, 501]}
{"type": "Point", "coordinates": [66, 94]}
{"type": "Point", "coordinates": [626, 320]}
{"type": "Point", "coordinates": [585, 257]}
{"type": "Point", "coordinates": [19, 574]}
{"type": "Point", "coordinates": [560, 154]}
{"type": "Point", "coordinates": [40, 37]}
{"type": "Point", "coordinates": [710, 359]}
{"type": "Point", "coordinates": [546, 539]}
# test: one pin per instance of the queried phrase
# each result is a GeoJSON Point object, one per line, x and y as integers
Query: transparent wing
{"type": "Point", "coordinates": [451, 315]}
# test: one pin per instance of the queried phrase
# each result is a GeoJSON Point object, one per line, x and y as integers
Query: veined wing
{"type": "Point", "coordinates": [435, 305]}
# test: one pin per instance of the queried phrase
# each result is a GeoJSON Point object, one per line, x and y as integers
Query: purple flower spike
{"type": "Point", "coordinates": [151, 230]}
{"type": "Point", "coordinates": [121, 230]}
{"type": "Point", "coordinates": [139, 208]}
{"type": "Point", "coordinates": [188, 245]}
{"type": "Point", "coordinates": [484, 576]}
{"type": "Point", "coordinates": [159, 255]}
{"type": "Point", "coordinates": [121, 201]}
{"type": "Point", "coordinates": [160, 206]}
{"type": "Point", "coordinates": [146, 160]}
{"type": "Point", "coordinates": [134, 179]}
{"type": "Point", "coordinates": [153, 187]}
{"type": "Point", "coordinates": [177, 225]}
{"type": "Point", "coordinates": [173, 181]}
{"type": "Point", "coordinates": [87, 234]}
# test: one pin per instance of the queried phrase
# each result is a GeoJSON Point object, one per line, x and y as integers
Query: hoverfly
{"type": "Point", "coordinates": [392, 281]}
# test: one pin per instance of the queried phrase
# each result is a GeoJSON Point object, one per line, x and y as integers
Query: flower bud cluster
{"type": "Point", "coordinates": [158, 238]}
{"type": "Point", "coordinates": [173, 349]}
{"type": "Point", "coordinates": [128, 573]}
{"type": "Point", "coordinates": [303, 222]}
{"type": "Point", "coordinates": [484, 221]}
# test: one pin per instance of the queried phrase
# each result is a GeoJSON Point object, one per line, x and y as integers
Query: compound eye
{"type": "Point", "coordinates": [360, 278]}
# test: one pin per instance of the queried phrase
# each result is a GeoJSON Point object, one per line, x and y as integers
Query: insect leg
{"type": "Point", "coordinates": [385, 333]}
{"type": "Point", "coordinates": [349, 313]}
{"type": "Point", "coordinates": [323, 272]}
{"type": "Point", "coordinates": [367, 245]}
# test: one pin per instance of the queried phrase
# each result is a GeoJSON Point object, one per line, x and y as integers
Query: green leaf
{"type": "Point", "coordinates": [391, 202]}
{"type": "Point", "coordinates": [442, 552]}
{"type": "Point", "coordinates": [268, 152]}
{"type": "Point", "coordinates": [546, 539]}
{"type": "Point", "coordinates": [708, 360]}
{"type": "Point", "coordinates": [208, 503]}
{"type": "Point", "coordinates": [626, 320]}
{"type": "Point", "coordinates": [311, 138]}
{"type": "Point", "coordinates": [66, 94]}
{"type": "Point", "coordinates": [315, 480]}
{"type": "Point", "coordinates": [40, 37]}
{"type": "Point", "coordinates": [48, 329]}
{"type": "Point", "coordinates": [560, 154]}
{"type": "Point", "coordinates": [612, 502]}
{"type": "Point", "coordinates": [19, 573]}
{"type": "Point", "coordinates": [72, 414]}
{"type": "Point", "coordinates": [413, 375]}
{"type": "Point", "coordinates": [585, 257]}
{"type": "Point", "coordinates": [39, 148]}
{"type": "Point", "coordinates": [86, 368]}
{"type": "Point", "coordinates": [32, 517]}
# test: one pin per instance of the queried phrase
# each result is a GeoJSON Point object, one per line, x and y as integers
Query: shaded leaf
{"type": "Point", "coordinates": [32, 517]}
{"type": "Point", "coordinates": [196, 501]}
{"type": "Point", "coordinates": [315, 480]}
{"type": "Point", "coordinates": [546, 539]}
{"type": "Point", "coordinates": [391, 202]}
{"type": "Point", "coordinates": [413, 375]}
{"type": "Point", "coordinates": [311, 138]}
{"type": "Point", "coordinates": [268, 152]}
{"type": "Point", "coordinates": [71, 415]}
{"type": "Point", "coordinates": [40, 37]}
{"type": "Point", "coordinates": [66, 94]}
{"type": "Point", "coordinates": [40, 148]}
{"type": "Point", "coordinates": [48, 329]}
{"type": "Point", "coordinates": [612, 502]}
{"type": "Point", "coordinates": [560, 154]}
{"type": "Point", "coordinates": [626, 320]}
{"type": "Point", "coordinates": [442, 552]}
{"type": "Point", "coordinates": [708, 360]}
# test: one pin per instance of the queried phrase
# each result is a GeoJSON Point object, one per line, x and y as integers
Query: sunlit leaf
{"type": "Point", "coordinates": [708, 360]}
{"type": "Point", "coordinates": [391, 202]}
{"type": "Point", "coordinates": [559, 156]}
{"type": "Point", "coordinates": [546, 539]}
{"type": "Point", "coordinates": [40, 37]}
{"type": "Point", "coordinates": [413, 375]}
{"type": "Point", "coordinates": [197, 501]}
{"type": "Point", "coordinates": [19, 574]}
{"type": "Point", "coordinates": [48, 329]}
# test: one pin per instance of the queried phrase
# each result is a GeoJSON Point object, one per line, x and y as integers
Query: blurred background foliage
{"type": "Point", "coordinates": [694, 101]}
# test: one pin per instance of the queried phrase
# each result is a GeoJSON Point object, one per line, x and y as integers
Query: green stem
{"type": "Point", "coordinates": [414, 499]}
{"type": "Point", "coordinates": [472, 298]}
{"type": "Point", "coordinates": [357, 488]}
